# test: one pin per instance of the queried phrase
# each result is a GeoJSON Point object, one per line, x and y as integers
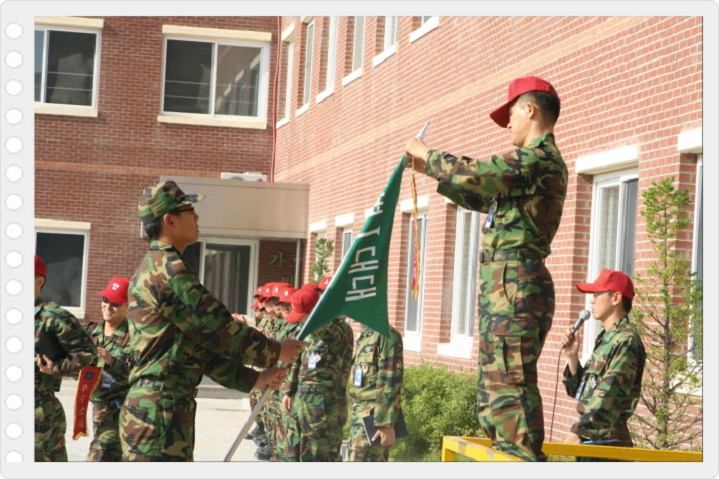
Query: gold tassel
{"type": "Point", "coordinates": [417, 267]}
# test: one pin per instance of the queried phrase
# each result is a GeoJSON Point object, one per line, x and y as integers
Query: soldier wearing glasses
{"type": "Point", "coordinates": [115, 358]}
{"type": "Point", "coordinates": [178, 332]}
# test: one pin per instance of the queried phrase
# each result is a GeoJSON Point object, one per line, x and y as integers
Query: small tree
{"type": "Point", "coordinates": [323, 250]}
{"type": "Point", "coordinates": [667, 311]}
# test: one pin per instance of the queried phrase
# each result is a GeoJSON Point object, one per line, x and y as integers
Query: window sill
{"type": "Point", "coordinates": [302, 110]}
{"type": "Point", "coordinates": [282, 122]}
{"type": "Point", "coordinates": [183, 120]}
{"type": "Point", "coordinates": [426, 27]}
{"type": "Point", "coordinates": [384, 55]}
{"type": "Point", "coordinates": [78, 313]}
{"type": "Point", "coordinates": [412, 343]}
{"type": "Point", "coordinates": [65, 110]}
{"type": "Point", "coordinates": [325, 94]}
{"type": "Point", "coordinates": [352, 77]}
{"type": "Point", "coordinates": [455, 350]}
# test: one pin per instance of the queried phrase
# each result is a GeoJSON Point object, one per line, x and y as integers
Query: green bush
{"type": "Point", "coordinates": [436, 402]}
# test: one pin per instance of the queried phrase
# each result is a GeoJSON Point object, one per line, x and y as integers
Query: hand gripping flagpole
{"type": "Point", "coordinates": [300, 335]}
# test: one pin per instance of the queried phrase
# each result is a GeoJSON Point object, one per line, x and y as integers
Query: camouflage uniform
{"type": "Point", "coordinates": [316, 382]}
{"type": "Point", "coordinates": [526, 188]}
{"type": "Point", "coordinates": [178, 332]}
{"type": "Point", "coordinates": [50, 423]}
{"type": "Point", "coordinates": [608, 387]}
{"type": "Point", "coordinates": [346, 372]}
{"type": "Point", "coordinates": [380, 392]}
{"type": "Point", "coordinates": [110, 392]}
{"type": "Point", "coordinates": [255, 394]}
{"type": "Point", "coordinates": [278, 419]}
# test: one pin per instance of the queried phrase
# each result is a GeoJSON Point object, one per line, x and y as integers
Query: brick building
{"type": "Point", "coordinates": [329, 102]}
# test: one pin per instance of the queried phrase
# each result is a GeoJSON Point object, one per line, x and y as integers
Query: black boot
{"type": "Point", "coordinates": [258, 430]}
{"type": "Point", "coordinates": [263, 453]}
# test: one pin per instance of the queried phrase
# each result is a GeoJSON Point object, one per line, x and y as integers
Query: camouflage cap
{"type": "Point", "coordinates": [163, 198]}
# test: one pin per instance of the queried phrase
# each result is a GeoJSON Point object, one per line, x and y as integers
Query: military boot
{"type": "Point", "coordinates": [263, 453]}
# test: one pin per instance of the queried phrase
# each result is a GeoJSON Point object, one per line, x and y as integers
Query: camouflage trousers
{"type": "Point", "coordinates": [312, 435]}
{"type": "Point", "coordinates": [157, 425]}
{"type": "Point", "coordinates": [273, 422]}
{"type": "Point", "coordinates": [341, 420]}
{"type": "Point", "coordinates": [359, 447]}
{"type": "Point", "coordinates": [50, 429]}
{"type": "Point", "coordinates": [516, 306]}
{"type": "Point", "coordinates": [254, 397]}
{"type": "Point", "coordinates": [105, 445]}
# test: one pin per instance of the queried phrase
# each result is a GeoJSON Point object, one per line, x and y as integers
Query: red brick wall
{"type": "Point", "coordinates": [622, 80]}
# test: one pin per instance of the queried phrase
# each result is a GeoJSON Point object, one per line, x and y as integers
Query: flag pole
{"type": "Point", "coordinates": [247, 425]}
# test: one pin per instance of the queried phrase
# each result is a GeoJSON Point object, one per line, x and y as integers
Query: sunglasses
{"type": "Point", "coordinates": [107, 301]}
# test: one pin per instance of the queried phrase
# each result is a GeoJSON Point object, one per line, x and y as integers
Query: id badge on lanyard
{"type": "Point", "coordinates": [489, 222]}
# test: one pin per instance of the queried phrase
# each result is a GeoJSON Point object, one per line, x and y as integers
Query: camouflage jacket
{"type": "Point", "coordinates": [322, 362]}
{"type": "Point", "coordinates": [113, 384]}
{"type": "Point", "coordinates": [381, 361]}
{"type": "Point", "coordinates": [529, 185]}
{"type": "Point", "coordinates": [73, 338]}
{"type": "Point", "coordinates": [608, 386]}
{"type": "Point", "coordinates": [177, 328]}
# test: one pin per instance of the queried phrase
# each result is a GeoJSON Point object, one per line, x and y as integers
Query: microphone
{"type": "Point", "coordinates": [583, 316]}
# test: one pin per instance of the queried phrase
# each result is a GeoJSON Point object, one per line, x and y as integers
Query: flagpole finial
{"type": "Point", "coordinates": [423, 131]}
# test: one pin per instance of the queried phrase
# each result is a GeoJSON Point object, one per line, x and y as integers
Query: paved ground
{"type": "Point", "coordinates": [218, 423]}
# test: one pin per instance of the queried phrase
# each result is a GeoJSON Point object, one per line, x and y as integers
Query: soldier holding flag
{"type": "Point", "coordinates": [522, 192]}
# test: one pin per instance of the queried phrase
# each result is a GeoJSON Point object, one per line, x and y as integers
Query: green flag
{"type": "Point", "coordinates": [359, 287]}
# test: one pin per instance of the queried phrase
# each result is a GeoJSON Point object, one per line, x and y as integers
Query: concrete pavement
{"type": "Point", "coordinates": [217, 424]}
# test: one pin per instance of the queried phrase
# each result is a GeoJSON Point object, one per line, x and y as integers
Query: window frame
{"type": "Point", "coordinates": [308, 64]}
{"type": "Point", "coordinates": [70, 228]}
{"type": "Point", "coordinates": [427, 24]}
{"type": "Point", "coordinates": [356, 72]}
{"type": "Point", "coordinates": [600, 181]}
{"type": "Point", "coordinates": [463, 217]}
{"type": "Point", "coordinates": [42, 106]}
{"type": "Point", "coordinates": [697, 253]}
{"type": "Point", "coordinates": [388, 49]}
{"type": "Point", "coordinates": [212, 118]}
{"type": "Point", "coordinates": [345, 231]}
{"type": "Point", "coordinates": [330, 75]}
{"type": "Point", "coordinates": [412, 338]}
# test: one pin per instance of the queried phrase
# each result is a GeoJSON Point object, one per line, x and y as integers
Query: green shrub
{"type": "Point", "coordinates": [436, 402]}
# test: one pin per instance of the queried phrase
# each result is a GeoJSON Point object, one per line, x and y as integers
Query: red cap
{"type": "Point", "coordinates": [302, 303]}
{"type": "Point", "coordinates": [286, 294]}
{"type": "Point", "coordinates": [259, 293]}
{"type": "Point", "coordinates": [609, 280]}
{"type": "Point", "coordinates": [116, 290]}
{"type": "Point", "coordinates": [267, 290]}
{"type": "Point", "coordinates": [314, 286]}
{"type": "Point", "coordinates": [520, 86]}
{"type": "Point", "coordinates": [277, 287]}
{"type": "Point", "coordinates": [325, 282]}
{"type": "Point", "coordinates": [40, 266]}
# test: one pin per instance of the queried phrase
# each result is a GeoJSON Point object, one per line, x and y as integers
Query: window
{"type": "Point", "coordinates": [346, 241]}
{"type": "Point", "coordinates": [65, 66]}
{"type": "Point", "coordinates": [358, 44]}
{"type": "Point", "coordinates": [612, 236]}
{"type": "Point", "coordinates": [391, 31]}
{"type": "Point", "coordinates": [330, 60]}
{"type": "Point", "coordinates": [216, 79]}
{"type": "Point", "coordinates": [413, 310]}
{"type": "Point", "coordinates": [698, 255]}
{"type": "Point", "coordinates": [307, 86]}
{"type": "Point", "coordinates": [65, 253]}
{"type": "Point", "coordinates": [465, 275]}
{"type": "Point", "coordinates": [290, 49]}
{"type": "Point", "coordinates": [387, 34]}
{"type": "Point", "coordinates": [423, 25]}
{"type": "Point", "coordinates": [227, 268]}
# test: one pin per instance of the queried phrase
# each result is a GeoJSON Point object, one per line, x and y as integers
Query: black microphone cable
{"type": "Point", "coordinates": [583, 316]}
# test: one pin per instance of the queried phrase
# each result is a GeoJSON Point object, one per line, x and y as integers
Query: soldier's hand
{"type": "Point", "coordinates": [47, 367]}
{"type": "Point", "coordinates": [271, 378]}
{"type": "Point", "coordinates": [386, 435]}
{"type": "Point", "coordinates": [287, 404]}
{"type": "Point", "coordinates": [104, 355]}
{"type": "Point", "coordinates": [417, 149]}
{"type": "Point", "coordinates": [290, 349]}
{"type": "Point", "coordinates": [570, 345]}
{"type": "Point", "coordinates": [572, 438]}
{"type": "Point", "coordinates": [239, 318]}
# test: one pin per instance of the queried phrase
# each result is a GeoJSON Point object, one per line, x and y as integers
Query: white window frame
{"type": "Point", "coordinates": [698, 218]}
{"type": "Point", "coordinates": [347, 232]}
{"type": "Point", "coordinates": [233, 38]}
{"type": "Point", "coordinates": [605, 180]}
{"type": "Point", "coordinates": [253, 267]}
{"type": "Point", "coordinates": [358, 38]}
{"type": "Point", "coordinates": [413, 338]}
{"type": "Point", "coordinates": [72, 25]}
{"type": "Point", "coordinates": [309, 53]}
{"type": "Point", "coordinates": [331, 61]}
{"type": "Point", "coordinates": [428, 24]}
{"type": "Point", "coordinates": [70, 228]}
{"type": "Point", "coordinates": [391, 39]}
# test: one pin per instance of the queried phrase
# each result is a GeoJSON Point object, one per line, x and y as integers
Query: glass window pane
{"type": "Point", "coordinates": [346, 241]}
{"type": "Point", "coordinates": [629, 215]}
{"type": "Point", "coordinates": [64, 254]}
{"type": "Point", "coordinates": [188, 72]}
{"type": "Point", "coordinates": [413, 314]}
{"type": "Point", "coordinates": [238, 80]}
{"type": "Point", "coordinates": [608, 214]}
{"type": "Point", "coordinates": [39, 48]}
{"type": "Point", "coordinates": [226, 275]}
{"type": "Point", "coordinates": [358, 44]}
{"type": "Point", "coordinates": [331, 54]}
{"type": "Point", "coordinates": [288, 89]}
{"type": "Point", "coordinates": [70, 68]}
{"type": "Point", "coordinates": [308, 64]}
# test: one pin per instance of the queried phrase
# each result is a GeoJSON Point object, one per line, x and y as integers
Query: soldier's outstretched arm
{"type": "Point", "coordinates": [75, 340]}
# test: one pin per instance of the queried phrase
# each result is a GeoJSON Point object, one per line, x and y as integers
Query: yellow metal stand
{"type": "Point", "coordinates": [481, 450]}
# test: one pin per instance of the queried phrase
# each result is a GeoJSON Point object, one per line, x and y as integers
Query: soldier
{"type": "Point", "coordinates": [112, 340]}
{"type": "Point", "coordinates": [523, 194]}
{"type": "Point", "coordinates": [608, 387]}
{"type": "Point", "coordinates": [376, 390]}
{"type": "Point", "coordinates": [178, 332]}
{"type": "Point", "coordinates": [316, 380]}
{"type": "Point", "coordinates": [54, 326]}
